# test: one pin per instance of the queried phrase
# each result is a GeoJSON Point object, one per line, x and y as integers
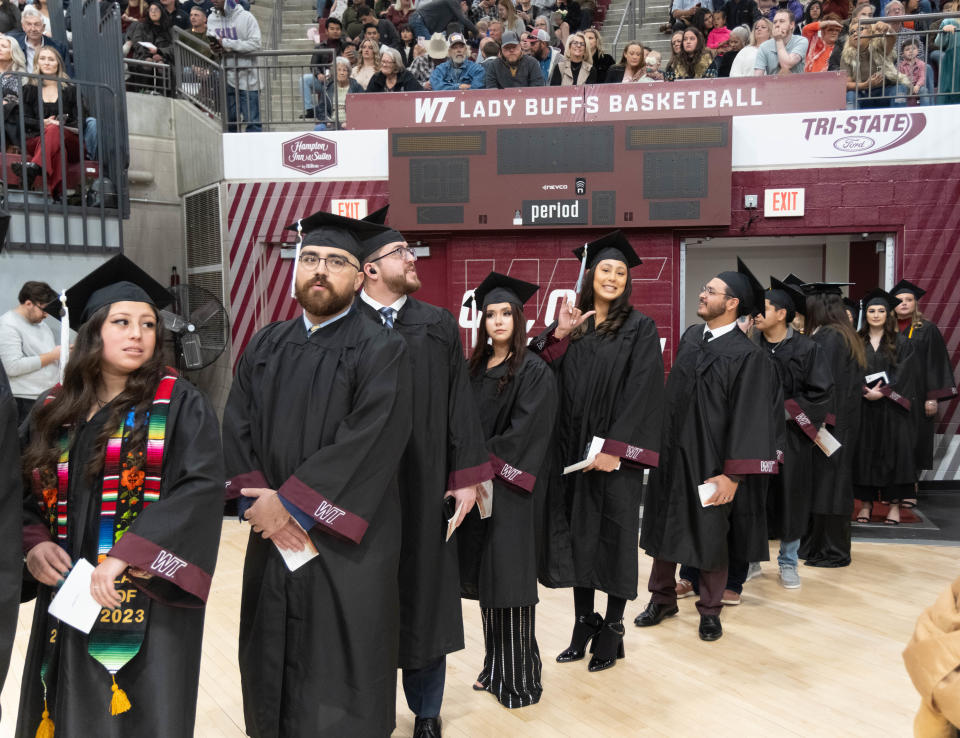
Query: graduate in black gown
{"type": "Point", "coordinates": [11, 542]}
{"type": "Point", "coordinates": [884, 461]}
{"type": "Point", "coordinates": [516, 394]}
{"type": "Point", "coordinates": [314, 428]}
{"type": "Point", "coordinates": [934, 370]}
{"type": "Point", "coordinates": [827, 541]}
{"type": "Point", "coordinates": [124, 469]}
{"type": "Point", "coordinates": [446, 456]}
{"type": "Point", "coordinates": [607, 358]}
{"type": "Point", "coordinates": [808, 397]}
{"type": "Point", "coordinates": [721, 425]}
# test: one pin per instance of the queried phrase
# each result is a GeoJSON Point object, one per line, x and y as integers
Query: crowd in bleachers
{"type": "Point", "coordinates": [447, 45]}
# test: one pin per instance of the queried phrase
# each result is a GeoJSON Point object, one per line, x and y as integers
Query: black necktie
{"type": "Point", "coordinates": [707, 335]}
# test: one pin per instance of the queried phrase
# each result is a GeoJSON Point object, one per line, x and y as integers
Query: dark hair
{"type": "Point", "coordinates": [518, 345]}
{"type": "Point", "coordinates": [793, 20]}
{"type": "Point", "coordinates": [39, 293]}
{"type": "Point", "coordinates": [369, 25]}
{"type": "Point", "coordinates": [620, 308]}
{"type": "Point", "coordinates": [333, 20]}
{"type": "Point", "coordinates": [490, 48]}
{"type": "Point", "coordinates": [806, 13]}
{"type": "Point", "coordinates": [888, 344]}
{"type": "Point", "coordinates": [688, 61]}
{"type": "Point", "coordinates": [363, 11]}
{"type": "Point", "coordinates": [828, 311]}
{"type": "Point", "coordinates": [79, 393]}
{"type": "Point", "coordinates": [909, 42]}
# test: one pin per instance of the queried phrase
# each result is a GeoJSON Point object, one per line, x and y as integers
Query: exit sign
{"type": "Point", "coordinates": [783, 203]}
{"type": "Point", "coordinates": [349, 208]}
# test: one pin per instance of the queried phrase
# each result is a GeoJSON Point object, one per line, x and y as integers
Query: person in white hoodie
{"type": "Point", "coordinates": [237, 37]}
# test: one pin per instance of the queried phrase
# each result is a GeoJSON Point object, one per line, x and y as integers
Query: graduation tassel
{"type": "Point", "coordinates": [583, 268]}
{"type": "Point", "coordinates": [64, 340]}
{"type": "Point", "coordinates": [473, 319]}
{"type": "Point", "coordinates": [860, 316]}
{"type": "Point", "coordinates": [296, 260]}
{"type": "Point", "coordinates": [119, 702]}
{"type": "Point", "coordinates": [45, 729]}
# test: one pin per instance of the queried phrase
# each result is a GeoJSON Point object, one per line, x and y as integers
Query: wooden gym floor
{"type": "Point", "coordinates": [823, 660]}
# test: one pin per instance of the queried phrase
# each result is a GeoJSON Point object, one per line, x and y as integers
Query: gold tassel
{"type": "Point", "coordinates": [45, 729]}
{"type": "Point", "coordinates": [119, 702]}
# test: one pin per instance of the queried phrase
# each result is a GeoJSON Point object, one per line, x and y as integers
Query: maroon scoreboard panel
{"type": "Point", "coordinates": [619, 174]}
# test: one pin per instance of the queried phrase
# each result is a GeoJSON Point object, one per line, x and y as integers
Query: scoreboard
{"type": "Point", "coordinates": [587, 175]}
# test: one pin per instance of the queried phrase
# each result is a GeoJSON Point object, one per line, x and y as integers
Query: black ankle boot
{"type": "Point", "coordinates": [587, 626]}
{"type": "Point", "coordinates": [607, 647]}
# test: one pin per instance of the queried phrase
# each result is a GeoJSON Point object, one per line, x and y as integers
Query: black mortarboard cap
{"type": "Point", "coordinates": [116, 280]}
{"type": "Point", "coordinates": [498, 287]}
{"type": "Point", "coordinates": [338, 231]}
{"type": "Point", "coordinates": [381, 238]}
{"type": "Point", "coordinates": [611, 246]}
{"type": "Point", "coordinates": [877, 296]}
{"type": "Point", "coordinates": [793, 280]}
{"type": "Point", "coordinates": [745, 287]}
{"type": "Point", "coordinates": [783, 295]}
{"type": "Point", "coordinates": [904, 286]}
{"type": "Point", "coordinates": [825, 288]}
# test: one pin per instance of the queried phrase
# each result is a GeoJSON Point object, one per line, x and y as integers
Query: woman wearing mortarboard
{"type": "Point", "coordinates": [610, 369]}
{"type": "Point", "coordinates": [884, 463]}
{"type": "Point", "coordinates": [516, 395]}
{"type": "Point", "coordinates": [827, 541]}
{"type": "Point", "coordinates": [125, 465]}
{"type": "Point", "coordinates": [934, 370]}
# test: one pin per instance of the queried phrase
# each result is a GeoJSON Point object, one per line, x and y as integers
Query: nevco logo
{"type": "Point", "coordinates": [852, 135]}
{"type": "Point", "coordinates": [309, 154]}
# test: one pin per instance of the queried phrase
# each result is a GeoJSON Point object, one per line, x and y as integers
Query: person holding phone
{"type": "Point", "coordinates": [884, 462]}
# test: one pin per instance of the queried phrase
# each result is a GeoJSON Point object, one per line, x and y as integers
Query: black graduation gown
{"type": "Point", "coordinates": [498, 557]}
{"type": "Point", "coordinates": [884, 451]}
{"type": "Point", "coordinates": [445, 451]}
{"type": "Point", "coordinates": [611, 386]}
{"type": "Point", "coordinates": [161, 680]}
{"type": "Point", "coordinates": [832, 475]}
{"type": "Point", "coordinates": [11, 542]}
{"type": "Point", "coordinates": [722, 416]}
{"type": "Point", "coordinates": [936, 382]}
{"type": "Point", "coordinates": [808, 397]}
{"type": "Point", "coordinates": [324, 421]}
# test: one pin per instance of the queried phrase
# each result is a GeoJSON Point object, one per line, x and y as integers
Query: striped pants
{"type": "Point", "coordinates": [511, 661]}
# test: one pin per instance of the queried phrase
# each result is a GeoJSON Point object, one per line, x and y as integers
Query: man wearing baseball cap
{"type": "Point", "coordinates": [458, 72]}
{"type": "Point", "coordinates": [512, 68]}
{"type": "Point", "coordinates": [541, 51]}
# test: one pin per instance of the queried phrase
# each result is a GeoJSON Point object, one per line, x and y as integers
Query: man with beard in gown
{"type": "Point", "coordinates": [714, 431]}
{"type": "Point", "coordinates": [808, 396]}
{"type": "Point", "coordinates": [11, 555]}
{"type": "Point", "coordinates": [314, 428]}
{"type": "Point", "coordinates": [446, 456]}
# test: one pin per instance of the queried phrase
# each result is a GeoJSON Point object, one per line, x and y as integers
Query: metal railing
{"type": "Point", "coordinates": [891, 79]}
{"type": "Point", "coordinates": [285, 85]}
{"type": "Point", "coordinates": [148, 77]}
{"type": "Point", "coordinates": [198, 75]}
{"type": "Point", "coordinates": [633, 10]}
{"type": "Point", "coordinates": [54, 173]}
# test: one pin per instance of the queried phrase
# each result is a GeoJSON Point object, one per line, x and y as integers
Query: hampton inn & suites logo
{"type": "Point", "coordinates": [309, 153]}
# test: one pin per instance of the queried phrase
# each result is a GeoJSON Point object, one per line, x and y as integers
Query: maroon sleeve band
{"type": "Point", "coordinates": [555, 348]}
{"type": "Point", "coordinates": [34, 534]}
{"type": "Point", "coordinates": [631, 454]}
{"type": "Point", "coordinates": [750, 466]}
{"type": "Point", "coordinates": [942, 394]}
{"type": "Point", "coordinates": [141, 553]}
{"type": "Point", "coordinates": [512, 475]}
{"type": "Point", "coordinates": [247, 480]}
{"type": "Point", "coordinates": [830, 420]}
{"type": "Point", "coordinates": [332, 518]}
{"type": "Point", "coordinates": [800, 418]}
{"type": "Point", "coordinates": [895, 396]}
{"type": "Point", "coordinates": [469, 477]}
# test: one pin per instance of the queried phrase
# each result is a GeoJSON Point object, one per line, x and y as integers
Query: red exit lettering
{"type": "Point", "coordinates": [348, 209]}
{"type": "Point", "coordinates": [786, 200]}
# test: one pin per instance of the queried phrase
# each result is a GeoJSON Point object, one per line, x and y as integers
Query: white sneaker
{"type": "Point", "coordinates": [754, 570]}
{"type": "Point", "coordinates": [789, 577]}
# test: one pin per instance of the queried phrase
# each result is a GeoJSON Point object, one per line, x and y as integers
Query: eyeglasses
{"type": "Point", "coordinates": [577, 43]}
{"type": "Point", "coordinates": [405, 252]}
{"type": "Point", "coordinates": [711, 291]}
{"type": "Point", "coordinates": [334, 264]}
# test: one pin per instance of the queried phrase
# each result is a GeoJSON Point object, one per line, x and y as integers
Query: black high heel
{"type": "Point", "coordinates": [608, 646]}
{"type": "Point", "coordinates": [584, 631]}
